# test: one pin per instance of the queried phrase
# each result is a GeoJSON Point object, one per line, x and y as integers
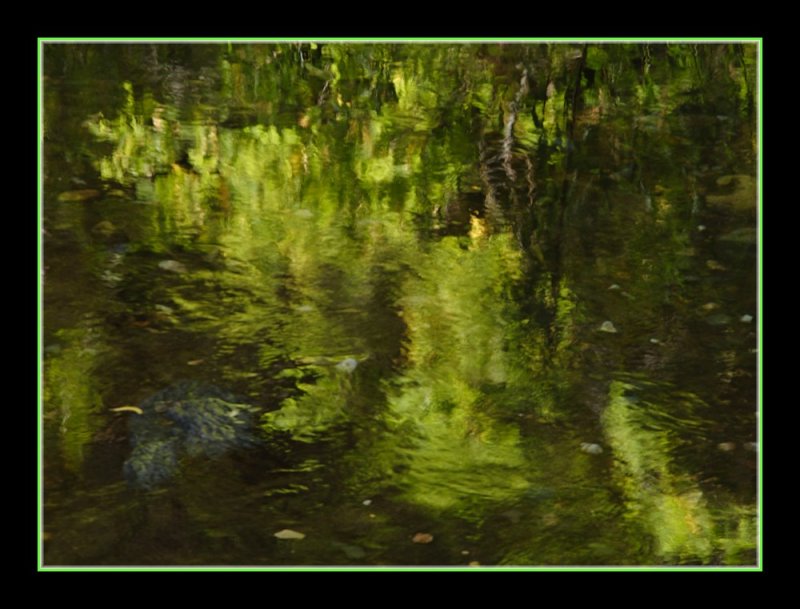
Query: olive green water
{"type": "Point", "coordinates": [504, 296]}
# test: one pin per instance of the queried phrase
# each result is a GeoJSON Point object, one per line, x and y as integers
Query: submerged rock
{"type": "Point", "coordinates": [591, 449]}
{"type": "Point", "coordinates": [422, 538]}
{"type": "Point", "coordinates": [185, 419]}
{"type": "Point", "coordinates": [173, 266]}
{"type": "Point", "coordinates": [347, 365]}
{"type": "Point", "coordinates": [609, 327]}
{"type": "Point", "coordinates": [152, 462]}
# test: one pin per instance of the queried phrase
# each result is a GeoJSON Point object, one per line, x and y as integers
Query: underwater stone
{"type": "Point", "coordinates": [185, 419]}
{"type": "Point", "coordinates": [607, 326]}
{"type": "Point", "coordinates": [347, 365]}
{"type": "Point", "coordinates": [173, 266]}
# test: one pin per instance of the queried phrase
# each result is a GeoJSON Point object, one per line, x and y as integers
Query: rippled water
{"type": "Point", "coordinates": [424, 305]}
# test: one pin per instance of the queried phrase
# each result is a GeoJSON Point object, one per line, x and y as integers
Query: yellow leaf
{"type": "Point", "coordinates": [135, 409]}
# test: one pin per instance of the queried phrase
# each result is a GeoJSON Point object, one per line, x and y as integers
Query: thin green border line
{"type": "Point", "coordinates": [412, 40]}
{"type": "Point", "coordinates": [478, 569]}
{"type": "Point", "coordinates": [760, 375]}
{"type": "Point", "coordinates": [39, 306]}
{"type": "Point", "coordinates": [40, 311]}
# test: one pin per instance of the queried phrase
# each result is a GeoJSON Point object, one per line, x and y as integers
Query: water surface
{"type": "Point", "coordinates": [503, 296]}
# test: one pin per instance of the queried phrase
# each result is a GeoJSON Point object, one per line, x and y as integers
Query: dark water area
{"type": "Point", "coordinates": [400, 304]}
